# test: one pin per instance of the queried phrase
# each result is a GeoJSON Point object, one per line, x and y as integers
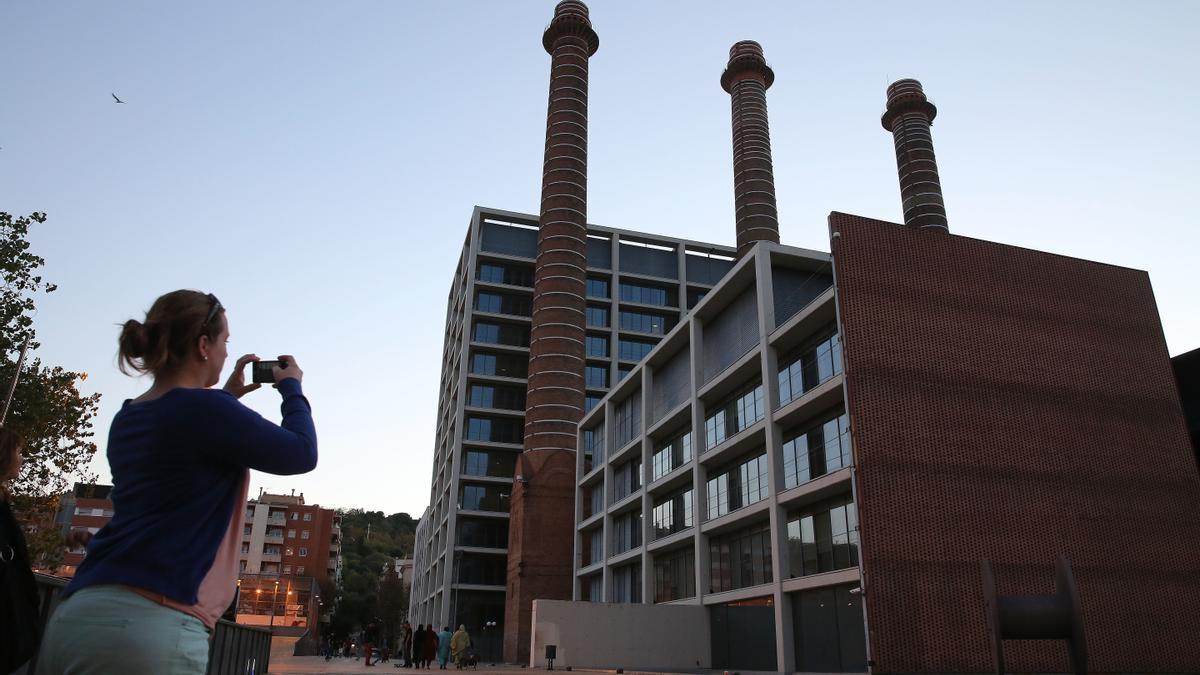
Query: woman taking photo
{"type": "Point", "coordinates": [158, 576]}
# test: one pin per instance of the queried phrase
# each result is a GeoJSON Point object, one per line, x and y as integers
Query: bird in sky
{"type": "Point", "coordinates": [117, 99]}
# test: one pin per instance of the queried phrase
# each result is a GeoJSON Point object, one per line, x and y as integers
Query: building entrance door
{"type": "Point", "coordinates": [743, 637]}
{"type": "Point", "coordinates": [829, 631]}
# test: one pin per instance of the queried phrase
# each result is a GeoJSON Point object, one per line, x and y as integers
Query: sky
{"type": "Point", "coordinates": [315, 164]}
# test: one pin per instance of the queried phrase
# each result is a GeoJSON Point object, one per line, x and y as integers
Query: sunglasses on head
{"type": "Point", "coordinates": [212, 312]}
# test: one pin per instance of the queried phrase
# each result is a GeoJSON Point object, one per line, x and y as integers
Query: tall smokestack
{"type": "Point", "coordinates": [746, 78]}
{"type": "Point", "coordinates": [909, 115]}
{"type": "Point", "coordinates": [541, 513]}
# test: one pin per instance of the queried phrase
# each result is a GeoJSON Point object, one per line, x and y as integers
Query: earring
{"type": "Point", "coordinates": [206, 357]}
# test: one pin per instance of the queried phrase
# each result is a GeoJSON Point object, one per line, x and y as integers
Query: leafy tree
{"type": "Point", "coordinates": [369, 591]}
{"type": "Point", "coordinates": [47, 408]}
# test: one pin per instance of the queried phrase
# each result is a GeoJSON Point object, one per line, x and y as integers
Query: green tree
{"type": "Point", "coordinates": [47, 407]}
{"type": "Point", "coordinates": [370, 541]}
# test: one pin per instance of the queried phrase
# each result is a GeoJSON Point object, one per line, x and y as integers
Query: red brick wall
{"type": "Point", "coordinates": [1015, 405]}
{"type": "Point", "coordinates": [542, 513]}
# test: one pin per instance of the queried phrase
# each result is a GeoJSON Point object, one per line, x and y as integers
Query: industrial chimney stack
{"type": "Point", "coordinates": [909, 115]}
{"type": "Point", "coordinates": [746, 78]}
{"type": "Point", "coordinates": [541, 514]}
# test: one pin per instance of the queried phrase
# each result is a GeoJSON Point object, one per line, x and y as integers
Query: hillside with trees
{"type": "Point", "coordinates": [370, 542]}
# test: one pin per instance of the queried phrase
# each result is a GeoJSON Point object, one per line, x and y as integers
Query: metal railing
{"type": "Point", "coordinates": [233, 649]}
{"type": "Point", "coordinates": [238, 650]}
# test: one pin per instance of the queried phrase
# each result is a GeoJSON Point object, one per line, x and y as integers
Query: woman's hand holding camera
{"type": "Point", "coordinates": [236, 384]}
{"type": "Point", "coordinates": [291, 370]}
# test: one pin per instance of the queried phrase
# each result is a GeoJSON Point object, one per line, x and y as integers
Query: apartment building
{"type": "Point", "coordinates": [283, 536]}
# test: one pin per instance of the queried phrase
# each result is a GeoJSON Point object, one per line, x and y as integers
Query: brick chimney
{"type": "Point", "coordinates": [909, 115]}
{"type": "Point", "coordinates": [746, 78]}
{"type": "Point", "coordinates": [541, 512]}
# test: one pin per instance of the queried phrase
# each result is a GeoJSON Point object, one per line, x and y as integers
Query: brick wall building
{"type": "Point", "coordinates": [283, 536]}
{"type": "Point", "coordinates": [86, 507]}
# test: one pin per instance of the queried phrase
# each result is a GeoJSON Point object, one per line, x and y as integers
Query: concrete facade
{"type": "Point", "coordinates": [776, 301]}
{"type": "Point", "coordinates": [982, 387]}
{"type": "Point", "coordinates": [661, 278]}
{"type": "Point", "coordinates": [655, 637]}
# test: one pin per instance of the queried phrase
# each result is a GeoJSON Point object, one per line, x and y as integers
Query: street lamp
{"type": "Point", "coordinates": [274, 599]}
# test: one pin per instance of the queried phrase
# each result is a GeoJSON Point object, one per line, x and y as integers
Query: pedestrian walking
{"type": "Point", "coordinates": [418, 645]}
{"type": "Point", "coordinates": [459, 644]}
{"type": "Point", "coordinates": [406, 636]}
{"type": "Point", "coordinates": [161, 572]}
{"type": "Point", "coordinates": [444, 647]}
{"type": "Point", "coordinates": [431, 646]}
{"type": "Point", "coordinates": [370, 637]}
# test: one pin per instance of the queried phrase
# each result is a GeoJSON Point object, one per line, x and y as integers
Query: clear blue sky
{"type": "Point", "coordinates": [314, 164]}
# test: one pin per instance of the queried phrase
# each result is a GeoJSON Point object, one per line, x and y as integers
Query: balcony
{"type": "Point", "coordinates": [274, 538]}
{"type": "Point", "coordinates": [271, 557]}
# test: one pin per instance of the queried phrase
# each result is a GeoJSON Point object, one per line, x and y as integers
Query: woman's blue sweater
{"type": "Point", "coordinates": [177, 462]}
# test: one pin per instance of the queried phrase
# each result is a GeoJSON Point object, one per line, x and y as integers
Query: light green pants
{"type": "Point", "coordinates": [107, 629]}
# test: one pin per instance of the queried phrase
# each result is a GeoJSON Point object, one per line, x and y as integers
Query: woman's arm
{"type": "Point", "coordinates": [242, 437]}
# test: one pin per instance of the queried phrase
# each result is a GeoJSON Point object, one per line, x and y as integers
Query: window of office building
{"type": "Point", "coordinates": [482, 532]}
{"type": "Point", "coordinates": [496, 396]}
{"type": "Point", "coordinates": [592, 500]}
{"type": "Point", "coordinates": [596, 317]}
{"type": "Point", "coordinates": [592, 587]}
{"type": "Point", "coordinates": [480, 569]}
{"type": "Point", "coordinates": [291, 534]}
{"type": "Point", "coordinates": [740, 559]}
{"type": "Point", "coordinates": [596, 346]}
{"type": "Point", "coordinates": [597, 288]}
{"type": "Point", "coordinates": [496, 463]}
{"type": "Point", "coordinates": [675, 575]}
{"type": "Point", "coordinates": [742, 484]}
{"type": "Point", "coordinates": [633, 350]}
{"type": "Point", "coordinates": [595, 377]}
{"type": "Point", "coordinates": [627, 583]}
{"type": "Point", "coordinates": [503, 303]}
{"type": "Point", "coordinates": [733, 415]}
{"type": "Point", "coordinates": [627, 531]}
{"type": "Point", "coordinates": [648, 295]}
{"type": "Point", "coordinates": [501, 334]}
{"type": "Point", "coordinates": [501, 365]}
{"type": "Point", "coordinates": [643, 322]}
{"type": "Point", "coordinates": [304, 533]}
{"type": "Point", "coordinates": [484, 498]}
{"type": "Point", "coordinates": [823, 539]}
{"type": "Point", "coordinates": [506, 274]}
{"type": "Point", "coordinates": [623, 372]}
{"type": "Point", "coordinates": [672, 454]}
{"type": "Point", "coordinates": [695, 295]}
{"type": "Point", "coordinates": [592, 547]}
{"type": "Point", "coordinates": [673, 513]}
{"type": "Point", "coordinates": [627, 479]}
{"type": "Point", "coordinates": [627, 418]}
{"type": "Point", "coordinates": [494, 429]}
{"type": "Point", "coordinates": [303, 552]}
{"type": "Point", "coordinates": [816, 451]}
{"type": "Point", "coordinates": [308, 517]}
{"type": "Point", "coordinates": [815, 363]}
{"type": "Point", "coordinates": [590, 401]}
{"type": "Point", "coordinates": [592, 441]}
